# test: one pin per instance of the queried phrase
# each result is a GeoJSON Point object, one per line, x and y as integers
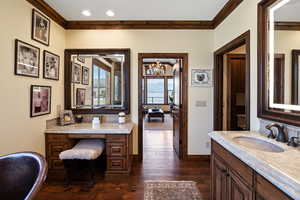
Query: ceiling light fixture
{"type": "Point", "coordinates": [110, 13]}
{"type": "Point", "coordinates": [86, 13]}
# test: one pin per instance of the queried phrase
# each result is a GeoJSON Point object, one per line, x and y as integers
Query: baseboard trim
{"type": "Point", "coordinates": [199, 157]}
{"type": "Point", "coordinates": [136, 157]}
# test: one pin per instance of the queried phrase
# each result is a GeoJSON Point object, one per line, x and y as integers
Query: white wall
{"type": "Point", "coordinates": [18, 131]}
{"type": "Point", "coordinates": [242, 19]}
{"type": "Point", "coordinates": [197, 43]}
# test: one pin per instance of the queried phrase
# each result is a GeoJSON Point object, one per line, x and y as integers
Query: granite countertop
{"type": "Point", "coordinates": [282, 169]}
{"type": "Point", "coordinates": [87, 128]}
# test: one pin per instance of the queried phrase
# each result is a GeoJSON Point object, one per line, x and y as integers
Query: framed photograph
{"type": "Point", "coordinates": [40, 100]}
{"type": "Point", "coordinates": [81, 59]}
{"type": "Point", "coordinates": [51, 65]}
{"type": "Point", "coordinates": [40, 28]}
{"type": "Point", "coordinates": [66, 117]}
{"type": "Point", "coordinates": [85, 75]}
{"type": "Point", "coordinates": [27, 59]}
{"type": "Point", "coordinates": [80, 96]}
{"type": "Point", "coordinates": [76, 73]}
{"type": "Point", "coordinates": [202, 78]}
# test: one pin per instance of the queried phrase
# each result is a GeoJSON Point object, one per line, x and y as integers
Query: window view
{"type": "Point", "coordinates": [155, 91]}
{"type": "Point", "coordinates": [170, 90]}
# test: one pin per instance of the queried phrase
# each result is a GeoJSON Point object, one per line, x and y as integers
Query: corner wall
{"type": "Point", "coordinates": [242, 19]}
{"type": "Point", "coordinates": [18, 131]}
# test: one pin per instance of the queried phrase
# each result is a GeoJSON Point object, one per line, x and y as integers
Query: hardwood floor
{"type": "Point", "coordinates": [160, 163]}
{"type": "Point", "coordinates": [157, 124]}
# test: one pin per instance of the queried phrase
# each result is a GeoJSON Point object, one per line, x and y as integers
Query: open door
{"type": "Point", "coordinates": [177, 109]}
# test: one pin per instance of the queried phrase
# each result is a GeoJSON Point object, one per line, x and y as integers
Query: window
{"type": "Point", "coordinates": [158, 90]}
{"type": "Point", "coordinates": [170, 90]}
{"type": "Point", "coordinates": [155, 91]}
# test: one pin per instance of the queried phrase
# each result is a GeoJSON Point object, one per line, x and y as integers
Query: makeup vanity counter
{"type": "Point", "coordinates": [87, 128]}
{"type": "Point", "coordinates": [118, 139]}
{"type": "Point", "coordinates": [239, 169]}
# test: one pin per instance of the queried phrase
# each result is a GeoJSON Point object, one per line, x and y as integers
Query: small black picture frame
{"type": "Point", "coordinates": [40, 28]}
{"type": "Point", "coordinates": [76, 73]}
{"type": "Point", "coordinates": [51, 59]}
{"type": "Point", "coordinates": [85, 79]}
{"type": "Point", "coordinates": [81, 59]}
{"type": "Point", "coordinates": [27, 59]}
{"type": "Point", "coordinates": [40, 100]}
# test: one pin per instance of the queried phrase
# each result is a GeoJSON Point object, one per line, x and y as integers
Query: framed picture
{"type": "Point", "coordinates": [81, 59]}
{"type": "Point", "coordinates": [66, 117]}
{"type": "Point", "coordinates": [80, 96]}
{"type": "Point", "coordinates": [40, 28]}
{"type": "Point", "coordinates": [27, 59]}
{"type": "Point", "coordinates": [51, 65]}
{"type": "Point", "coordinates": [202, 78]}
{"type": "Point", "coordinates": [76, 73]}
{"type": "Point", "coordinates": [85, 75]}
{"type": "Point", "coordinates": [40, 100]}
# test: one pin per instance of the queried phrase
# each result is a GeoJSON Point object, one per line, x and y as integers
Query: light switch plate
{"type": "Point", "coordinates": [200, 103]}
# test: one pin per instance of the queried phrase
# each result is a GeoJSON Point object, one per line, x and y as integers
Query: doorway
{"type": "Point", "coordinates": [232, 85]}
{"type": "Point", "coordinates": [162, 104]}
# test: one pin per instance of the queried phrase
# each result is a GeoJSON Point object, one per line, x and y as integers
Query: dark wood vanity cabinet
{"type": "Point", "coordinates": [118, 152]}
{"type": "Point", "coordinates": [234, 180]}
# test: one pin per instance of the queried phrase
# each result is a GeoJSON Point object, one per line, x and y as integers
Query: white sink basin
{"type": "Point", "coordinates": [258, 144]}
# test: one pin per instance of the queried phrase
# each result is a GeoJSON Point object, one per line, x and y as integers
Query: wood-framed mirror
{"type": "Point", "coordinates": [278, 61]}
{"type": "Point", "coordinates": [97, 81]}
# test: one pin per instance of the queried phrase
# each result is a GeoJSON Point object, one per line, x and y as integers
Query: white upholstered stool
{"type": "Point", "coordinates": [81, 157]}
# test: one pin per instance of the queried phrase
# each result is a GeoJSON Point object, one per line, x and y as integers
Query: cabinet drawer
{"type": "Point", "coordinates": [266, 190]}
{"type": "Point", "coordinates": [237, 166]}
{"type": "Point", "coordinates": [116, 164]}
{"type": "Point", "coordinates": [56, 148]}
{"type": "Point", "coordinates": [57, 137]}
{"type": "Point", "coordinates": [116, 138]}
{"type": "Point", "coordinates": [56, 164]}
{"type": "Point", "coordinates": [116, 149]}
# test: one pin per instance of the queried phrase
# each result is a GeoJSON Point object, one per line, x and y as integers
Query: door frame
{"type": "Point", "coordinates": [184, 96]}
{"type": "Point", "coordinates": [243, 39]}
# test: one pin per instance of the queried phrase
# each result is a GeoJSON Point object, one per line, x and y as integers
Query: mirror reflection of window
{"type": "Point", "coordinates": [101, 87]}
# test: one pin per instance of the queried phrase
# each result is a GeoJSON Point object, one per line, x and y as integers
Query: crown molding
{"type": "Point", "coordinates": [229, 7]}
{"type": "Point", "coordinates": [50, 12]}
{"type": "Point", "coordinates": [137, 24]}
{"type": "Point", "coordinates": [287, 26]}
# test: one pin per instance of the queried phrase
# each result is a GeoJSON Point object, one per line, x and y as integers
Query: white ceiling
{"type": "Point", "coordinates": [139, 9]}
{"type": "Point", "coordinates": [290, 12]}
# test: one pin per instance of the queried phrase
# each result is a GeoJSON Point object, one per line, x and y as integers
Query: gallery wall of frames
{"type": "Point", "coordinates": [27, 63]}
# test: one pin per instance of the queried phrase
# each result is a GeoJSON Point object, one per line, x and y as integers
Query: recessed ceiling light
{"type": "Point", "coordinates": [86, 13]}
{"type": "Point", "coordinates": [110, 13]}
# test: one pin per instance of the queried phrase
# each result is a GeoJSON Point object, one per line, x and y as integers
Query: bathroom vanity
{"type": "Point", "coordinates": [248, 166]}
{"type": "Point", "coordinates": [118, 139]}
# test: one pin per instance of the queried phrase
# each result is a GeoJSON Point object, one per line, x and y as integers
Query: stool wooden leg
{"type": "Point", "coordinates": [92, 172]}
{"type": "Point", "coordinates": [67, 173]}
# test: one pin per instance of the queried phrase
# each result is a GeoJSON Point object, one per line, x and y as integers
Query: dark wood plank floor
{"type": "Point", "coordinates": [160, 163]}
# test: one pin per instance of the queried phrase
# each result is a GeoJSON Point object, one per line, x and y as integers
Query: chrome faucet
{"type": "Point", "coordinates": [280, 134]}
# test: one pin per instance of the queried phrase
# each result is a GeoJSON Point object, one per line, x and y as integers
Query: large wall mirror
{"type": "Point", "coordinates": [278, 60]}
{"type": "Point", "coordinates": [97, 80]}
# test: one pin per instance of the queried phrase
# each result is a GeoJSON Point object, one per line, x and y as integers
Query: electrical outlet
{"type": "Point", "coordinates": [207, 144]}
{"type": "Point", "coordinates": [200, 103]}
